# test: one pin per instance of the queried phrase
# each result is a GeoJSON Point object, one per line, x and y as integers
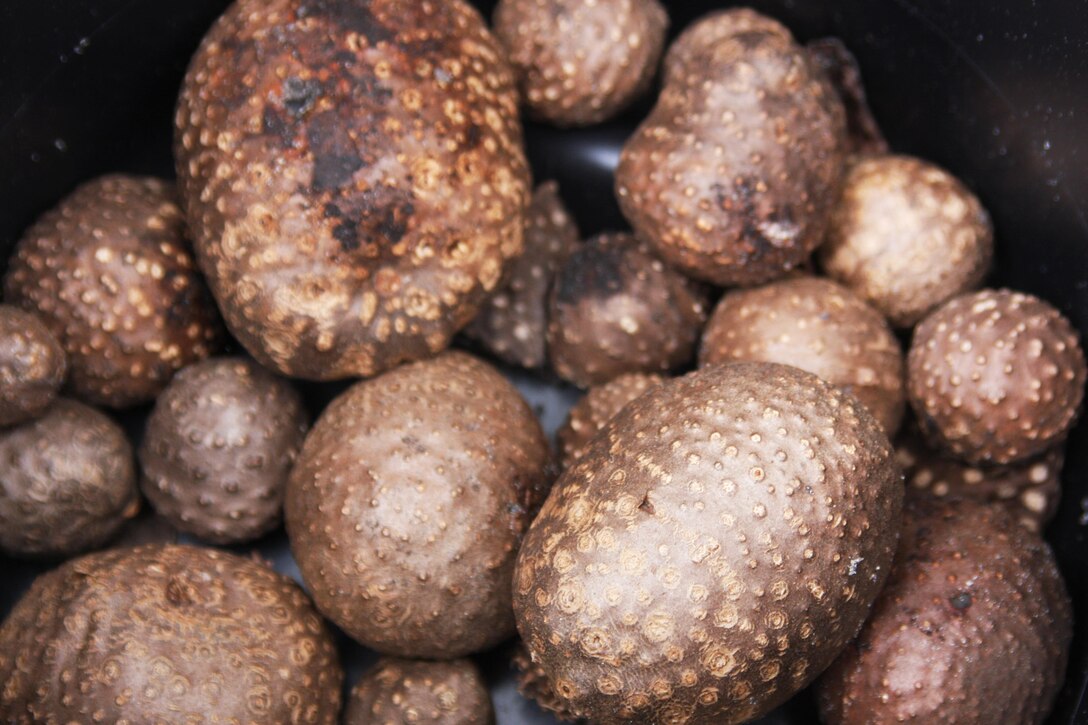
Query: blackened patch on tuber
{"type": "Point", "coordinates": [336, 159]}
{"type": "Point", "coordinates": [596, 271]}
{"type": "Point", "coordinates": [299, 95]}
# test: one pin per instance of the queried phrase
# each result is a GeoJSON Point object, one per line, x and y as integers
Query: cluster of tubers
{"type": "Point", "coordinates": [758, 491]}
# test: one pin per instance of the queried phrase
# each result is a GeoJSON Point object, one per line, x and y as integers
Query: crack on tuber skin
{"type": "Point", "coordinates": [733, 174]}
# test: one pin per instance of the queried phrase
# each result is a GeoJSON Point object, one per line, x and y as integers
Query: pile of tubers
{"type": "Point", "coordinates": [760, 489]}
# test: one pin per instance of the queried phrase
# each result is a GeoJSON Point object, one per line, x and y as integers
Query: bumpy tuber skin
{"type": "Point", "coordinates": [996, 376]}
{"type": "Point", "coordinates": [616, 308]}
{"type": "Point", "coordinates": [598, 406]}
{"type": "Point", "coordinates": [425, 693]}
{"type": "Point", "coordinates": [111, 274]}
{"type": "Point", "coordinates": [973, 627]}
{"type": "Point", "coordinates": [408, 503]}
{"type": "Point", "coordinates": [512, 324]}
{"type": "Point", "coordinates": [68, 482]}
{"type": "Point", "coordinates": [1029, 490]}
{"type": "Point", "coordinates": [907, 236]}
{"type": "Point", "coordinates": [354, 176]}
{"type": "Point", "coordinates": [167, 634]}
{"type": "Point", "coordinates": [580, 62]}
{"type": "Point", "coordinates": [715, 548]}
{"type": "Point", "coordinates": [32, 366]}
{"type": "Point", "coordinates": [818, 326]}
{"type": "Point", "coordinates": [732, 176]}
{"type": "Point", "coordinates": [218, 447]}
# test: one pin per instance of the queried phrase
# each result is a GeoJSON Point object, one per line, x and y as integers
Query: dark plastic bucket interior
{"type": "Point", "coordinates": [997, 93]}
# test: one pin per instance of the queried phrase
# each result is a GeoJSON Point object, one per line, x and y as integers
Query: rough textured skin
{"type": "Point", "coordinates": [32, 366]}
{"type": "Point", "coordinates": [996, 376]}
{"type": "Point", "coordinates": [67, 482]}
{"type": "Point", "coordinates": [616, 308]}
{"type": "Point", "coordinates": [818, 326]}
{"type": "Point", "coordinates": [907, 236]}
{"type": "Point", "coordinates": [595, 409]}
{"type": "Point", "coordinates": [167, 634]}
{"type": "Point", "coordinates": [581, 62]}
{"type": "Point", "coordinates": [713, 550]}
{"type": "Point", "coordinates": [840, 66]}
{"type": "Point", "coordinates": [733, 174]}
{"type": "Point", "coordinates": [354, 176]}
{"type": "Point", "coordinates": [1030, 490]}
{"type": "Point", "coordinates": [533, 684]}
{"type": "Point", "coordinates": [400, 691]}
{"type": "Point", "coordinates": [218, 447]}
{"type": "Point", "coordinates": [111, 274]}
{"type": "Point", "coordinates": [973, 627]}
{"type": "Point", "coordinates": [513, 323]}
{"type": "Point", "coordinates": [408, 503]}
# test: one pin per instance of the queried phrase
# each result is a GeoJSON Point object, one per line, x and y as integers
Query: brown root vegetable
{"type": "Point", "coordinates": [582, 62]}
{"type": "Point", "coordinates": [68, 482]}
{"type": "Point", "coordinates": [732, 176]}
{"type": "Point", "coordinates": [616, 308]}
{"type": "Point", "coordinates": [32, 366]}
{"type": "Point", "coordinates": [416, 691]}
{"type": "Point", "coordinates": [157, 634]}
{"type": "Point", "coordinates": [218, 448]}
{"type": "Point", "coordinates": [841, 68]}
{"type": "Point", "coordinates": [408, 503]}
{"type": "Point", "coordinates": [1030, 489]}
{"type": "Point", "coordinates": [818, 326]}
{"type": "Point", "coordinates": [996, 376]}
{"type": "Point", "coordinates": [111, 274]}
{"type": "Point", "coordinates": [598, 406]}
{"type": "Point", "coordinates": [715, 548]}
{"type": "Point", "coordinates": [907, 236]}
{"type": "Point", "coordinates": [512, 324]}
{"type": "Point", "coordinates": [973, 627]}
{"type": "Point", "coordinates": [354, 177]}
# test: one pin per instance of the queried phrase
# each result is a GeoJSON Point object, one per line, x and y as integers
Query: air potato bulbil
{"type": "Point", "coordinates": [973, 627]}
{"type": "Point", "coordinates": [733, 174]}
{"type": "Point", "coordinates": [712, 551]}
{"type": "Point", "coordinates": [67, 482]}
{"type": "Point", "coordinates": [110, 273]}
{"type": "Point", "coordinates": [582, 62]}
{"type": "Point", "coordinates": [996, 376]}
{"type": "Point", "coordinates": [354, 176]}
{"type": "Point", "coordinates": [218, 447]}
{"type": "Point", "coordinates": [906, 236]}
{"type": "Point", "coordinates": [167, 634]}
{"type": "Point", "coordinates": [616, 308]}
{"type": "Point", "coordinates": [408, 503]}
{"type": "Point", "coordinates": [32, 366]}
{"type": "Point", "coordinates": [422, 693]}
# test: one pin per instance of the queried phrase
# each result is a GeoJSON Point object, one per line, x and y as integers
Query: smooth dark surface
{"type": "Point", "coordinates": [999, 95]}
